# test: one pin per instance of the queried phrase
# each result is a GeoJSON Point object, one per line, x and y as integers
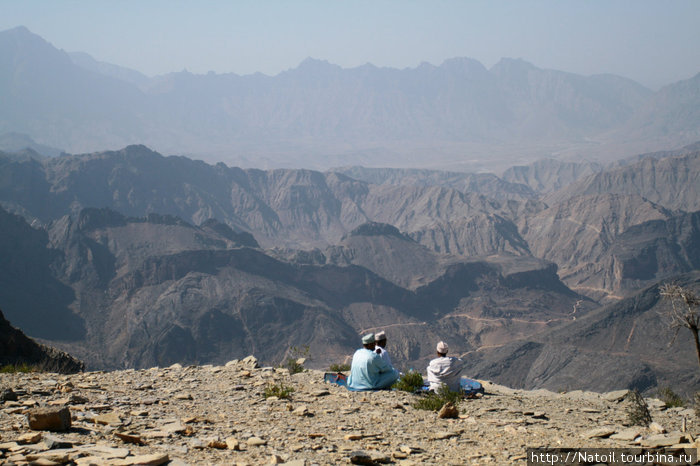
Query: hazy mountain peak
{"type": "Point", "coordinates": [506, 64]}
{"type": "Point", "coordinates": [88, 62]}
{"type": "Point", "coordinates": [464, 64]}
{"type": "Point", "coordinates": [24, 45]}
{"type": "Point", "coordinates": [316, 65]}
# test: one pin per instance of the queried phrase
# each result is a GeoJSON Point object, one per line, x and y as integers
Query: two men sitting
{"type": "Point", "coordinates": [371, 367]}
{"type": "Point", "coordinates": [369, 370]}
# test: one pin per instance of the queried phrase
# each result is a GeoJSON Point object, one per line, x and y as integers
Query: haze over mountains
{"type": "Point", "coordinates": [319, 115]}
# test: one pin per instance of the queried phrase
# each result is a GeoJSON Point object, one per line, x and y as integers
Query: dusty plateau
{"type": "Point", "coordinates": [219, 415]}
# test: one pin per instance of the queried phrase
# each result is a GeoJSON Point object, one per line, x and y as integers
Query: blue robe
{"type": "Point", "coordinates": [369, 371]}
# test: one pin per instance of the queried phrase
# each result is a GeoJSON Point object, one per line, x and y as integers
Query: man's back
{"type": "Point", "coordinates": [447, 370]}
{"type": "Point", "coordinates": [369, 371]}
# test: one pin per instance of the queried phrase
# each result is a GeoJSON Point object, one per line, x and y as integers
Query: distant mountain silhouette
{"type": "Point", "coordinates": [15, 142]}
{"type": "Point", "coordinates": [320, 115]}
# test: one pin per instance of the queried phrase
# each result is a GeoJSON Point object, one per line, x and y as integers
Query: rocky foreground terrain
{"type": "Point", "coordinates": [219, 415]}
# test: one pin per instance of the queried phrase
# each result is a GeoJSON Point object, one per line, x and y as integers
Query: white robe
{"type": "Point", "coordinates": [445, 370]}
{"type": "Point", "coordinates": [384, 354]}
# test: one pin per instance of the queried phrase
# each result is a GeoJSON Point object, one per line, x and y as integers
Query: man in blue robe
{"type": "Point", "coordinates": [369, 371]}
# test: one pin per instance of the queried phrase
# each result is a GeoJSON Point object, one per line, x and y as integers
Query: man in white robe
{"type": "Point", "coordinates": [444, 370]}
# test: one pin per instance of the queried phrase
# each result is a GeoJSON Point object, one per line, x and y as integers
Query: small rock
{"type": "Point", "coordinates": [218, 444]}
{"type": "Point", "coordinates": [656, 441]}
{"type": "Point", "coordinates": [627, 434]}
{"type": "Point", "coordinates": [108, 452]}
{"type": "Point", "coordinates": [276, 459]}
{"type": "Point", "coordinates": [600, 432]}
{"type": "Point", "coordinates": [58, 456]}
{"type": "Point", "coordinates": [443, 435]}
{"type": "Point", "coordinates": [509, 429]}
{"type": "Point", "coordinates": [617, 395]}
{"type": "Point", "coordinates": [657, 428]}
{"type": "Point", "coordinates": [76, 399]}
{"type": "Point", "coordinates": [654, 403]}
{"type": "Point", "coordinates": [130, 438]}
{"type": "Point", "coordinates": [233, 444]}
{"type": "Point", "coordinates": [174, 427]}
{"type": "Point", "coordinates": [256, 442]}
{"type": "Point", "coordinates": [52, 442]}
{"type": "Point", "coordinates": [250, 361]}
{"type": "Point", "coordinates": [302, 411]}
{"type": "Point", "coordinates": [184, 396]}
{"type": "Point", "coordinates": [231, 363]}
{"type": "Point", "coordinates": [301, 361]}
{"type": "Point", "coordinates": [360, 457]}
{"type": "Point", "coordinates": [30, 438]}
{"type": "Point", "coordinates": [448, 411]}
{"type": "Point", "coordinates": [53, 419]}
{"type": "Point", "coordinates": [149, 460]}
{"type": "Point", "coordinates": [320, 393]}
{"type": "Point", "coordinates": [8, 395]}
{"type": "Point", "coordinates": [112, 418]}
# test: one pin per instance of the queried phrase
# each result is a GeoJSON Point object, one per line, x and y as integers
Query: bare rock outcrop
{"type": "Point", "coordinates": [17, 349]}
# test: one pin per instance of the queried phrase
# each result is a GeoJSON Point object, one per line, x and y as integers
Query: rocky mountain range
{"type": "Point", "coordinates": [174, 260]}
{"type": "Point", "coordinates": [160, 291]}
{"type": "Point", "coordinates": [319, 115]}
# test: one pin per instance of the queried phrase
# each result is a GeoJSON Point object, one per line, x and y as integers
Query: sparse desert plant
{"type": "Point", "coordinates": [637, 409]}
{"type": "Point", "coordinates": [339, 368]}
{"type": "Point", "coordinates": [671, 398]}
{"type": "Point", "coordinates": [684, 312]}
{"type": "Point", "coordinates": [280, 390]}
{"type": "Point", "coordinates": [295, 360]}
{"type": "Point", "coordinates": [434, 401]}
{"type": "Point", "coordinates": [13, 368]}
{"type": "Point", "coordinates": [411, 382]}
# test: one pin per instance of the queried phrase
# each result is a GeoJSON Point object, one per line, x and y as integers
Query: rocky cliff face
{"type": "Point", "coordinates": [487, 184]}
{"type": "Point", "coordinates": [293, 208]}
{"type": "Point", "coordinates": [545, 176]}
{"type": "Point", "coordinates": [673, 182]}
{"type": "Point", "coordinates": [17, 349]}
{"type": "Point", "coordinates": [578, 234]}
{"type": "Point", "coordinates": [629, 338]}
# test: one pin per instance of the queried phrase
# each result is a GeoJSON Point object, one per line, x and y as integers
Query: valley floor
{"type": "Point", "coordinates": [218, 415]}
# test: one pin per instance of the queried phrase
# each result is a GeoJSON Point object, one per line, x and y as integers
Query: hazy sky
{"type": "Point", "coordinates": [652, 42]}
